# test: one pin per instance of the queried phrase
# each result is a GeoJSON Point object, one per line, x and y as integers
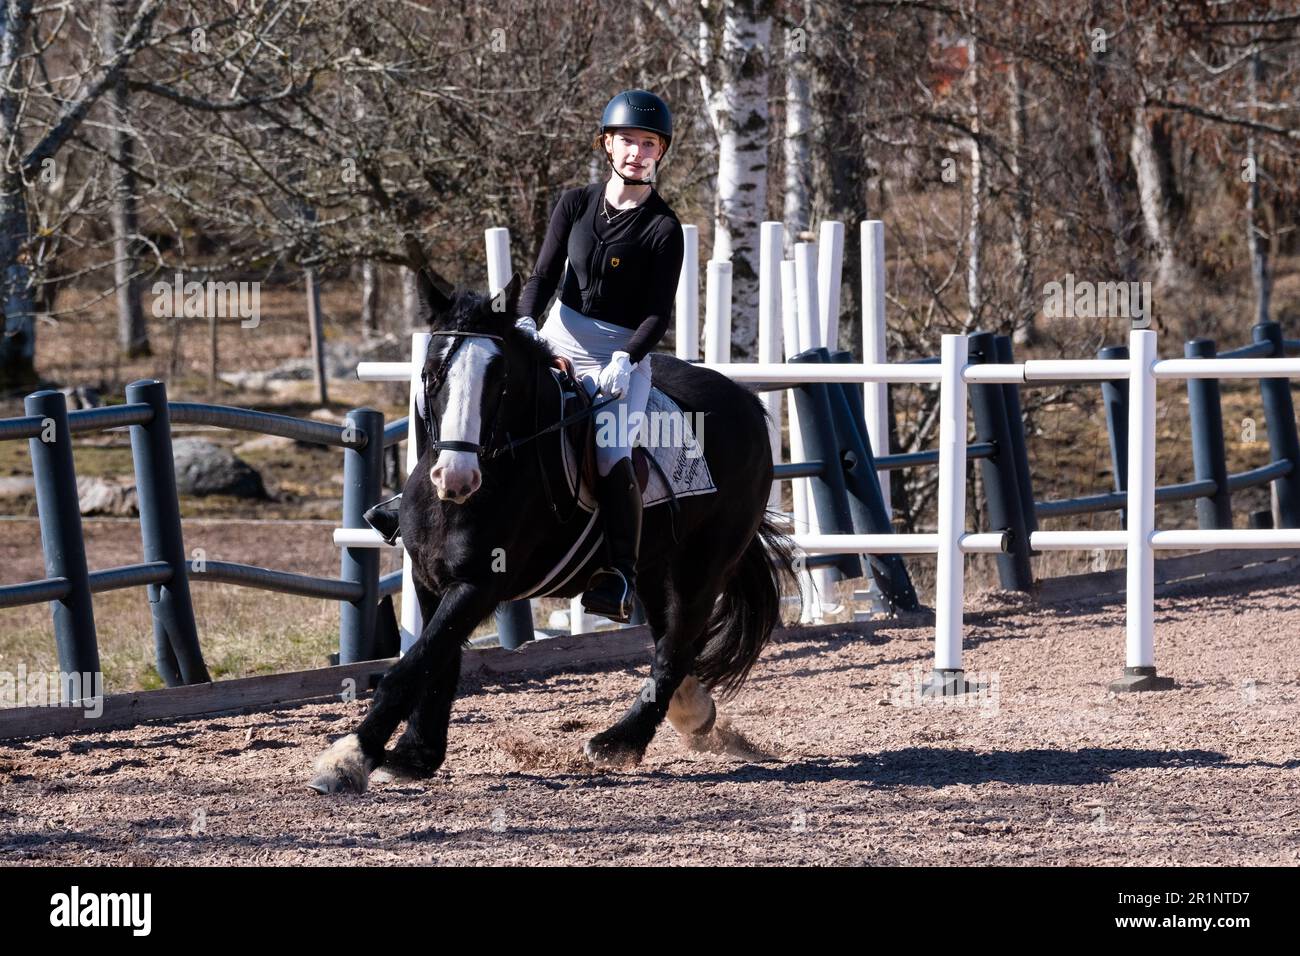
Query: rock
{"type": "Point", "coordinates": [264, 443]}
{"type": "Point", "coordinates": [82, 396]}
{"type": "Point", "coordinates": [205, 468]}
{"type": "Point", "coordinates": [17, 485]}
{"type": "Point", "coordinates": [98, 496]}
{"type": "Point", "coordinates": [385, 348]}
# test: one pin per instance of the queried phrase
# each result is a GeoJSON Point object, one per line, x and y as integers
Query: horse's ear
{"type": "Point", "coordinates": [433, 296]}
{"type": "Point", "coordinates": [432, 301]}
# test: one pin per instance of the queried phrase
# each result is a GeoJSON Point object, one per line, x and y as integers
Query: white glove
{"type": "Point", "coordinates": [617, 375]}
{"type": "Point", "coordinates": [528, 327]}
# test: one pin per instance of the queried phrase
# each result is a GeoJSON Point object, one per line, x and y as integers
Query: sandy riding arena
{"type": "Point", "coordinates": [826, 756]}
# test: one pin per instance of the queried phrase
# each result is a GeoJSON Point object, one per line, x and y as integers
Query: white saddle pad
{"type": "Point", "coordinates": [676, 449]}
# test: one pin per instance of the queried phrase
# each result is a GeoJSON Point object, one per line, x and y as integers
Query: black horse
{"type": "Point", "coordinates": [709, 576]}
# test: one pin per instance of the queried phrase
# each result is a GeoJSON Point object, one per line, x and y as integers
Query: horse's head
{"type": "Point", "coordinates": [466, 380]}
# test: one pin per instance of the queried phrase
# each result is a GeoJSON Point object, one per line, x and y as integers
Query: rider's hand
{"type": "Point", "coordinates": [616, 376]}
{"type": "Point", "coordinates": [528, 327]}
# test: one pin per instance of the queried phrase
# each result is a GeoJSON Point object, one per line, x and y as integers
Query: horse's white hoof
{"type": "Point", "coordinates": [692, 712]}
{"type": "Point", "coordinates": [342, 767]}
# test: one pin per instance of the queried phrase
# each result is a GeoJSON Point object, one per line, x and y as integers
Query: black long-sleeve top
{"type": "Point", "coordinates": [624, 272]}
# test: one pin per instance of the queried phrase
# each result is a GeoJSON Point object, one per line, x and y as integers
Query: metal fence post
{"type": "Point", "coordinates": [816, 425]}
{"type": "Point", "coordinates": [515, 623]}
{"type": "Point", "coordinates": [362, 486]}
{"type": "Point", "coordinates": [1016, 426]}
{"type": "Point", "coordinates": [1001, 489]}
{"type": "Point", "coordinates": [65, 549]}
{"type": "Point", "coordinates": [1208, 457]}
{"type": "Point", "coordinates": [1279, 413]}
{"type": "Point", "coordinates": [866, 498]}
{"type": "Point", "coordinates": [176, 639]}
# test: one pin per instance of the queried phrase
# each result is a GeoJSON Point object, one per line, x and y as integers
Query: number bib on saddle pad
{"type": "Point", "coordinates": [678, 468]}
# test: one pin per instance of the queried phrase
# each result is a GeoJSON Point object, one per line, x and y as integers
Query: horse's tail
{"type": "Point", "coordinates": [747, 611]}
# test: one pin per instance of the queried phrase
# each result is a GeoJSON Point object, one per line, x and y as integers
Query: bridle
{"type": "Point", "coordinates": [489, 450]}
{"type": "Point", "coordinates": [439, 379]}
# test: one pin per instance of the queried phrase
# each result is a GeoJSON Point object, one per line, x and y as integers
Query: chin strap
{"type": "Point", "coordinates": [631, 182]}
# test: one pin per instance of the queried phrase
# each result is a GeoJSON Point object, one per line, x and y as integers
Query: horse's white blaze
{"type": "Point", "coordinates": [456, 474]}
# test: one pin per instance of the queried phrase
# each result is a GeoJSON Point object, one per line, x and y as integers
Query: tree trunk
{"type": "Point", "coordinates": [1256, 240]}
{"type": "Point", "coordinates": [839, 170]}
{"type": "Point", "coordinates": [370, 301]}
{"type": "Point", "coordinates": [315, 323]}
{"type": "Point", "coordinates": [214, 359]}
{"type": "Point", "coordinates": [974, 264]}
{"type": "Point", "coordinates": [1154, 197]}
{"type": "Point", "coordinates": [735, 90]}
{"type": "Point", "coordinates": [1022, 213]}
{"type": "Point", "coordinates": [796, 142]}
{"type": "Point", "coordinates": [1116, 219]}
{"type": "Point", "coordinates": [132, 332]}
{"type": "Point", "coordinates": [410, 301]}
{"type": "Point", "coordinates": [18, 344]}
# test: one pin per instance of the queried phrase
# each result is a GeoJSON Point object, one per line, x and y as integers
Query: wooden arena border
{"type": "Point", "coordinates": [625, 645]}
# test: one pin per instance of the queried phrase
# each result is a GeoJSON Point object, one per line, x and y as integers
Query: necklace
{"type": "Point", "coordinates": [618, 215]}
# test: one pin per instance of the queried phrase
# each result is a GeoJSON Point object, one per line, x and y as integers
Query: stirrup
{"type": "Point", "coordinates": [385, 520]}
{"type": "Point", "coordinates": [602, 597]}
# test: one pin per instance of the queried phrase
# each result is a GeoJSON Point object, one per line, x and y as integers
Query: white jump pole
{"type": "Point", "coordinates": [497, 240]}
{"type": "Point", "coordinates": [688, 296]}
{"type": "Point", "coordinates": [411, 623]}
{"type": "Point", "coordinates": [717, 312]}
{"type": "Point", "coordinates": [798, 490]}
{"type": "Point", "coordinates": [810, 337]}
{"type": "Point", "coordinates": [1140, 587]}
{"type": "Point", "coordinates": [805, 274]}
{"type": "Point", "coordinates": [830, 267]}
{"type": "Point", "coordinates": [875, 394]}
{"type": "Point", "coordinates": [770, 240]}
{"type": "Point", "coordinates": [949, 591]}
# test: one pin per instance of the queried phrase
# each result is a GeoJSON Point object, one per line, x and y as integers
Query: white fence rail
{"type": "Point", "coordinates": [951, 541]}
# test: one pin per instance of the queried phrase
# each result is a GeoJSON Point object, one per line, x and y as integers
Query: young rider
{"type": "Point", "coordinates": [624, 248]}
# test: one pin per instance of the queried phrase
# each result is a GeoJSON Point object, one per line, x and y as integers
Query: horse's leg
{"type": "Point", "coordinates": [421, 748]}
{"type": "Point", "coordinates": [677, 625]}
{"type": "Point", "coordinates": [347, 764]}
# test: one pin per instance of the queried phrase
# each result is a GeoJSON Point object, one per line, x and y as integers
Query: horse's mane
{"type": "Point", "coordinates": [471, 311]}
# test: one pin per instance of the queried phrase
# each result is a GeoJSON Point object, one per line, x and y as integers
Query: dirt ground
{"type": "Point", "coordinates": [828, 759]}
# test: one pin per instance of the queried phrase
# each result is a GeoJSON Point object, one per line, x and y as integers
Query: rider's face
{"type": "Point", "coordinates": [634, 151]}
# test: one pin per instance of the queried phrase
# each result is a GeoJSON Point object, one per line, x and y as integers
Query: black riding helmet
{"type": "Point", "coordinates": [637, 109]}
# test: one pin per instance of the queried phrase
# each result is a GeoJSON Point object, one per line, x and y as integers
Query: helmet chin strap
{"type": "Point", "coordinates": [631, 182]}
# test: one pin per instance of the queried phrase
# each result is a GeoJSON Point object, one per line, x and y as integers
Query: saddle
{"type": "Point", "coordinates": [582, 433]}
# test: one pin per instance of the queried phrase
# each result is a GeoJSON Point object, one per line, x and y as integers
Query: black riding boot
{"type": "Point", "coordinates": [384, 516]}
{"type": "Point", "coordinates": [612, 590]}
